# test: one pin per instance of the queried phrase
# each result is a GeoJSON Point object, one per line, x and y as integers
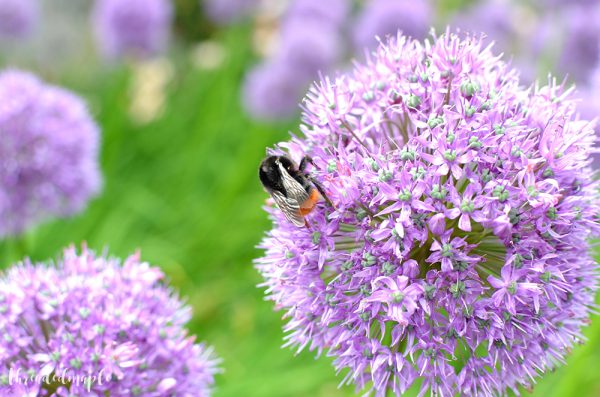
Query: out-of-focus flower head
{"type": "Point", "coordinates": [310, 42]}
{"type": "Point", "coordinates": [48, 152]}
{"type": "Point", "coordinates": [589, 108]}
{"type": "Point", "coordinates": [18, 18]}
{"type": "Point", "coordinates": [132, 28]}
{"type": "Point", "coordinates": [521, 34]}
{"type": "Point", "coordinates": [228, 11]}
{"type": "Point", "coordinates": [495, 18]}
{"type": "Point", "coordinates": [271, 91]}
{"type": "Point", "coordinates": [551, 4]}
{"type": "Point", "coordinates": [331, 13]}
{"type": "Point", "coordinates": [380, 18]}
{"type": "Point", "coordinates": [589, 105]}
{"type": "Point", "coordinates": [308, 47]}
{"type": "Point", "coordinates": [581, 41]}
{"type": "Point", "coordinates": [90, 315]}
{"type": "Point", "coordinates": [456, 249]}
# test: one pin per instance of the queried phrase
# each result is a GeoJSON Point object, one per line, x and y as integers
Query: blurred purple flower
{"type": "Point", "coordinates": [309, 42]}
{"type": "Point", "coordinates": [18, 17]}
{"type": "Point", "coordinates": [566, 4]}
{"type": "Point", "coordinates": [93, 315]}
{"type": "Point", "coordinates": [272, 91]}
{"type": "Point", "coordinates": [457, 249]}
{"type": "Point", "coordinates": [332, 13]}
{"type": "Point", "coordinates": [516, 31]}
{"type": "Point", "coordinates": [308, 47]}
{"type": "Point", "coordinates": [589, 105]}
{"type": "Point", "coordinates": [581, 48]}
{"type": "Point", "coordinates": [48, 152]}
{"type": "Point", "coordinates": [495, 18]}
{"type": "Point", "coordinates": [228, 11]}
{"type": "Point", "coordinates": [137, 28]}
{"type": "Point", "coordinates": [384, 17]}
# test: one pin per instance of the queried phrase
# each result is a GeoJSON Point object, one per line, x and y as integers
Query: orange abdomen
{"type": "Point", "coordinates": [310, 203]}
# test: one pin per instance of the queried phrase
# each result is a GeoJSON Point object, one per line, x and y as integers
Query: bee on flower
{"type": "Point", "coordinates": [455, 250]}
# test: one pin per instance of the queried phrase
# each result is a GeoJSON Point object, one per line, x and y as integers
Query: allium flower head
{"type": "Point", "coordinates": [331, 12]}
{"type": "Point", "coordinates": [581, 48]}
{"type": "Point", "coordinates": [310, 41]}
{"type": "Point", "coordinates": [48, 152]}
{"type": "Point", "coordinates": [589, 107]}
{"type": "Point", "coordinates": [18, 17]}
{"type": "Point", "coordinates": [380, 18]}
{"type": "Point", "coordinates": [228, 11]}
{"type": "Point", "coordinates": [90, 315]}
{"type": "Point", "coordinates": [496, 18]}
{"type": "Point", "coordinates": [308, 47]}
{"type": "Point", "coordinates": [137, 28]}
{"type": "Point", "coordinates": [456, 248]}
{"type": "Point", "coordinates": [271, 91]}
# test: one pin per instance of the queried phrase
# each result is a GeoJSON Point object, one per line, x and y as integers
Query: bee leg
{"type": "Point", "coordinates": [306, 224]}
{"type": "Point", "coordinates": [302, 167]}
{"type": "Point", "coordinates": [305, 160]}
{"type": "Point", "coordinates": [321, 190]}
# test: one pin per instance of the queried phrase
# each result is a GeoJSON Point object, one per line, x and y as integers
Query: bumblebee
{"type": "Point", "coordinates": [295, 192]}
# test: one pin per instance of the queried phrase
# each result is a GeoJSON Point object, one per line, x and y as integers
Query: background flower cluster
{"type": "Point", "coordinates": [560, 34]}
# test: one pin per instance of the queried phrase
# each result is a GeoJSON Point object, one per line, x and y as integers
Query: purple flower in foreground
{"type": "Point", "coordinates": [90, 315]}
{"type": "Point", "coordinates": [137, 28]}
{"type": "Point", "coordinates": [48, 152]}
{"type": "Point", "coordinates": [18, 17]}
{"type": "Point", "coordinates": [456, 251]}
{"type": "Point", "coordinates": [384, 17]}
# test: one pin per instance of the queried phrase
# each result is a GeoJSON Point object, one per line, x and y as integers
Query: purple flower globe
{"type": "Point", "coordinates": [580, 51]}
{"type": "Point", "coordinates": [48, 153]}
{"type": "Point", "coordinates": [133, 28]}
{"type": "Point", "coordinates": [228, 11]}
{"type": "Point", "coordinates": [380, 18]}
{"type": "Point", "coordinates": [496, 18]}
{"type": "Point", "coordinates": [455, 253]}
{"type": "Point", "coordinates": [589, 105]}
{"type": "Point", "coordinates": [310, 42]}
{"type": "Point", "coordinates": [102, 326]}
{"type": "Point", "coordinates": [332, 13]}
{"type": "Point", "coordinates": [308, 47]}
{"type": "Point", "coordinates": [271, 91]}
{"type": "Point", "coordinates": [18, 17]}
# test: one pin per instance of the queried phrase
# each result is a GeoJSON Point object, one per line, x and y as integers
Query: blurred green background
{"type": "Point", "coordinates": [183, 188]}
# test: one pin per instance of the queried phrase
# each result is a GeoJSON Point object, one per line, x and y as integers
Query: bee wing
{"type": "Point", "coordinates": [293, 189]}
{"type": "Point", "coordinates": [289, 207]}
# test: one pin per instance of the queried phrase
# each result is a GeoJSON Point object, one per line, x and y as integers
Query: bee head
{"type": "Point", "coordinates": [286, 162]}
{"type": "Point", "coordinates": [270, 173]}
